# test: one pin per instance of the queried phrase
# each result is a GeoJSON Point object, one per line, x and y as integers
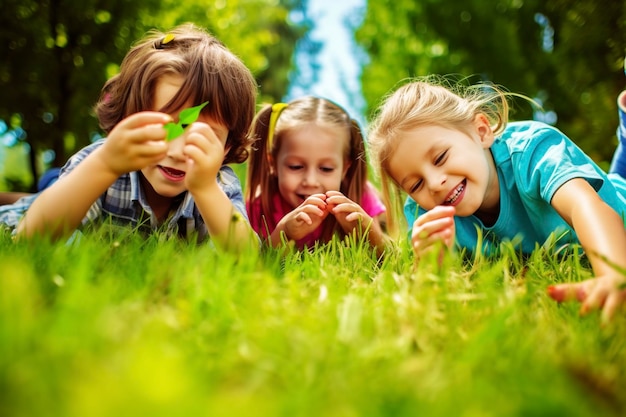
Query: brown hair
{"type": "Point", "coordinates": [212, 73]}
{"type": "Point", "coordinates": [264, 185]}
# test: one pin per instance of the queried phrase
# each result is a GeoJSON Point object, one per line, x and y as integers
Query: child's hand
{"type": "Point", "coordinates": [205, 155]}
{"type": "Point", "coordinates": [305, 218]}
{"type": "Point", "coordinates": [135, 142]}
{"type": "Point", "coordinates": [349, 214]}
{"type": "Point", "coordinates": [434, 226]}
{"type": "Point", "coordinates": [607, 293]}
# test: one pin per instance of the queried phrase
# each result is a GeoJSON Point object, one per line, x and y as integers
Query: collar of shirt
{"type": "Point", "coordinates": [137, 194]}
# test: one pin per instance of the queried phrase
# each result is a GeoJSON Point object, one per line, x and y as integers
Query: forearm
{"type": "Point", "coordinates": [226, 226]}
{"type": "Point", "coordinates": [59, 210]}
{"type": "Point", "coordinates": [276, 237]}
{"type": "Point", "coordinates": [602, 235]}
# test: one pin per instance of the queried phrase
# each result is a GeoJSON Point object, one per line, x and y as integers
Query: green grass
{"type": "Point", "coordinates": [129, 327]}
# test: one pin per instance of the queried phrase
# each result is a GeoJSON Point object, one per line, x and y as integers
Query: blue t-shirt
{"type": "Point", "coordinates": [533, 160]}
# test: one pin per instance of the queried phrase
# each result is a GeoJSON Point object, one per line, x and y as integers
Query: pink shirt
{"type": "Point", "coordinates": [370, 203]}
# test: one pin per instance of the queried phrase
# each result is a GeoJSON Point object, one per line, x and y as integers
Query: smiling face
{"type": "Point", "coordinates": [167, 178]}
{"type": "Point", "coordinates": [436, 166]}
{"type": "Point", "coordinates": [311, 160]}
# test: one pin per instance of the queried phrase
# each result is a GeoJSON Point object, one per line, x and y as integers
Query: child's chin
{"type": "Point", "coordinates": [170, 192]}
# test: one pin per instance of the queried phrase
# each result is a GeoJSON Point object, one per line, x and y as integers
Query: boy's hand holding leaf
{"type": "Point", "coordinates": [186, 117]}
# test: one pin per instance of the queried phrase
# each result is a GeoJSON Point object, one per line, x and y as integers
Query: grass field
{"type": "Point", "coordinates": [118, 326]}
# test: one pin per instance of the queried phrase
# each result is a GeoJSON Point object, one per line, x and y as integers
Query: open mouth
{"type": "Point", "coordinates": [172, 174]}
{"type": "Point", "coordinates": [455, 195]}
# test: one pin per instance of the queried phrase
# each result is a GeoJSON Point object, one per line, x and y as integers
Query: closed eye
{"type": "Point", "coordinates": [294, 167]}
{"type": "Point", "coordinates": [441, 158]}
{"type": "Point", "coordinates": [416, 186]}
{"type": "Point", "coordinates": [327, 169]}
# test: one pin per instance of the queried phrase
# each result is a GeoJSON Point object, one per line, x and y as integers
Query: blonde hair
{"type": "Point", "coordinates": [212, 73]}
{"type": "Point", "coordinates": [262, 184]}
{"type": "Point", "coordinates": [426, 101]}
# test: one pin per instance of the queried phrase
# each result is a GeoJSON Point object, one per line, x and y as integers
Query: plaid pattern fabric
{"type": "Point", "coordinates": [11, 214]}
{"type": "Point", "coordinates": [124, 203]}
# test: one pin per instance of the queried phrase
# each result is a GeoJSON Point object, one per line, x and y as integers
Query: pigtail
{"type": "Point", "coordinates": [354, 181]}
{"type": "Point", "coordinates": [260, 183]}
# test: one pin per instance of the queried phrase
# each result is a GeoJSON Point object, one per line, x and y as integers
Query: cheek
{"type": "Point", "coordinates": [285, 179]}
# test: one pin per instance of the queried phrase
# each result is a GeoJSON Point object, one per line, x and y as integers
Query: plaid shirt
{"type": "Point", "coordinates": [124, 203]}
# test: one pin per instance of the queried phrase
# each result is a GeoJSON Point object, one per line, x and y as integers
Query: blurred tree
{"type": "Point", "coordinates": [261, 32]}
{"type": "Point", "coordinates": [55, 59]}
{"type": "Point", "coordinates": [566, 53]}
{"type": "Point", "coordinates": [57, 54]}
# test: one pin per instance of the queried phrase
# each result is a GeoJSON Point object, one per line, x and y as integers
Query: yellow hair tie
{"type": "Point", "coordinates": [167, 38]}
{"type": "Point", "coordinates": [277, 108]}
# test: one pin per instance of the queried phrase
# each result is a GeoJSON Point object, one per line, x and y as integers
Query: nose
{"type": "Point", "coordinates": [175, 149]}
{"type": "Point", "coordinates": [310, 178]}
{"type": "Point", "coordinates": [437, 182]}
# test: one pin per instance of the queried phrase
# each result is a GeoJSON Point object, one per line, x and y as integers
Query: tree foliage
{"type": "Point", "coordinates": [57, 54]}
{"type": "Point", "coordinates": [566, 53]}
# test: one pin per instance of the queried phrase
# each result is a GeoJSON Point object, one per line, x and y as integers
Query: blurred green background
{"type": "Point", "coordinates": [57, 54]}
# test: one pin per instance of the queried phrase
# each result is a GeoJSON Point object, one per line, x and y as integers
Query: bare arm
{"type": "Point", "coordinates": [134, 143]}
{"type": "Point", "coordinates": [205, 155]}
{"type": "Point", "coordinates": [603, 237]}
{"type": "Point", "coordinates": [226, 226]}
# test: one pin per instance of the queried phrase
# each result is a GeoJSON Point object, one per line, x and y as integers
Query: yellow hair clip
{"type": "Point", "coordinates": [167, 39]}
{"type": "Point", "coordinates": [277, 108]}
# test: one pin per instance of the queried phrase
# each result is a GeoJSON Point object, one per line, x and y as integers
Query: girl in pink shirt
{"type": "Point", "coordinates": [307, 176]}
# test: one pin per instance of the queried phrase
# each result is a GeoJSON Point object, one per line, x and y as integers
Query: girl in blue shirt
{"type": "Point", "coordinates": [469, 173]}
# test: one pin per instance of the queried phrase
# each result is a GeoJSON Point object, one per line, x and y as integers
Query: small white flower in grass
{"type": "Point", "coordinates": [58, 280]}
{"type": "Point", "coordinates": [397, 298]}
{"type": "Point", "coordinates": [323, 293]}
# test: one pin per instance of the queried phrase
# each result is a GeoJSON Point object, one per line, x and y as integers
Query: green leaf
{"type": "Point", "coordinates": [173, 130]}
{"type": "Point", "coordinates": [190, 115]}
{"type": "Point", "coordinates": [186, 117]}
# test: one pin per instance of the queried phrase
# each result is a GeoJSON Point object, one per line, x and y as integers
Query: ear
{"type": "Point", "coordinates": [483, 130]}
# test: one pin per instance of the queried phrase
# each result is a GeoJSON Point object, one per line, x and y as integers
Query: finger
{"type": "Point", "coordinates": [611, 305]}
{"type": "Point", "coordinates": [319, 196]}
{"type": "Point", "coordinates": [315, 201]}
{"type": "Point", "coordinates": [156, 149]}
{"type": "Point", "coordinates": [347, 207]}
{"type": "Point", "coordinates": [437, 213]}
{"type": "Point", "coordinates": [147, 134]}
{"type": "Point", "coordinates": [435, 238]}
{"type": "Point", "coordinates": [311, 209]}
{"type": "Point", "coordinates": [304, 217]}
{"type": "Point", "coordinates": [355, 217]}
{"type": "Point", "coordinates": [594, 300]}
{"type": "Point", "coordinates": [334, 193]}
{"type": "Point", "coordinates": [568, 292]}
{"type": "Point", "coordinates": [204, 133]}
{"type": "Point", "coordinates": [422, 231]}
{"type": "Point", "coordinates": [337, 200]}
{"type": "Point", "coordinates": [145, 118]}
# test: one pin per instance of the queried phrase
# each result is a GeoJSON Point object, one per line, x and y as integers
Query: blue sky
{"type": "Point", "coordinates": [339, 57]}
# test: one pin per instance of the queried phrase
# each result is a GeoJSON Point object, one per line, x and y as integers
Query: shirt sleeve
{"type": "Point", "coordinates": [96, 208]}
{"type": "Point", "coordinates": [371, 202]}
{"type": "Point", "coordinates": [547, 160]}
{"type": "Point", "coordinates": [229, 182]}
